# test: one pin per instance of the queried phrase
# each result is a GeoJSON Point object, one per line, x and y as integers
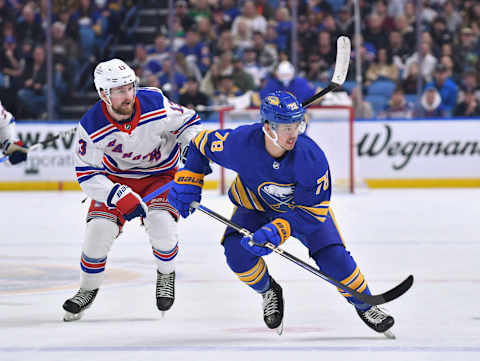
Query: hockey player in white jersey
{"type": "Point", "coordinates": [13, 149]}
{"type": "Point", "coordinates": [128, 145]}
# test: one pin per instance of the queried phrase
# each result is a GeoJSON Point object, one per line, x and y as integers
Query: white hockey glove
{"type": "Point", "coordinates": [128, 202]}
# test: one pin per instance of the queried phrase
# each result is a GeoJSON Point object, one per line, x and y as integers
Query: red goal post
{"type": "Point", "coordinates": [331, 127]}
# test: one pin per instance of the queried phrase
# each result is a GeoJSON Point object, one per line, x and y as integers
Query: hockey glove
{"type": "Point", "coordinates": [186, 188]}
{"type": "Point", "coordinates": [127, 202]}
{"type": "Point", "coordinates": [275, 232]}
{"type": "Point", "coordinates": [16, 151]}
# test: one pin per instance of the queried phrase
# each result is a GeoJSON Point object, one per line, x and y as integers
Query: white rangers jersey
{"type": "Point", "coordinates": [7, 125]}
{"type": "Point", "coordinates": [149, 144]}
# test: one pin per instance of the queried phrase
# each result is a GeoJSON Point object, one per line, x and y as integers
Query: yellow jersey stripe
{"type": "Point", "coordinates": [255, 201]}
{"type": "Point", "coordinates": [199, 137]}
{"type": "Point", "coordinates": [354, 274]}
{"type": "Point", "coordinates": [233, 188]}
{"type": "Point", "coordinates": [362, 287]}
{"type": "Point", "coordinates": [203, 142]}
{"type": "Point", "coordinates": [358, 281]}
{"type": "Point", "coordinates": [243, 194]}
{"type": "Point", "coordinates": [253, 275]}
{"type": "Point", "coordinates": [259, 277]}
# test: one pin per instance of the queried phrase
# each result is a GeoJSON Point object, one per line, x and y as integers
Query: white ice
{"type": "Point", "coordinates": [432, 234]}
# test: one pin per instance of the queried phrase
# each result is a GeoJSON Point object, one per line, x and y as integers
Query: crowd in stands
{"type": "Point", "coordinates": [230, 52]}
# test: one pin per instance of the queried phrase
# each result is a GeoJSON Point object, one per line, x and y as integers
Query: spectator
{"type": "Point", "coordinates": [266, 55]}
{"type": "Point", "coordinates": [362, 110]}
{"type": "Point", "coordinates": [252, 67]}
{"type": "Point", "coordinates": [283, 28]}
{"type": "Point", "coordinates": [469, 107]}
{"type": "Point", "coordinates": [200, 9]}
{"type": "Point", "coordinates": [398, 50]}
{"type": "Point", "coordinates": [447, 61]}
{"type": "Point", "coordinates": [428, 61]}
{"type": "Point", "coordinates": [439, 32]}
{"type": "Point", "coordinates": [380, 9]}
{"type": "Point", "coordinates": [224, 44]}
{"type": "Point", "coordinates": [191, 96]}
{"type": "Point", "coordinates": [205, 31]}
{"type": "Point", "coordinates": [220, 21]}
{"type": "Point", "coordinates": [266, 8]}
{"type": "Point", "coordinates": [10, 69]}
{"type": "Point", "coordinates": [325, 51]}
{"type": "Point", "coordinates": [32, 97]}
{"type": "Point", "coordinates": [397, 107]}
{"type": "Point", "coordinates": [242, 79]}
{"type": "Point", "coordinates": [226, 90]}
{"type": "Point", "coordinates": [6, 14]}
{"type": "Point", "coordinates": [375, 33]}
{"type": "Point", "coordinates": [160, 48]}
{"type": "Point", "coordinates": [242, 38]}
{"type": "Point", "coordinates": [253, 20]}
{"type": "Point", "coordinates": [230, 11]}
{"type": "Point", "coordinates": [164, 79]}
{"type": "Point", "coordinates": [452, 16]}
{"type": "Point", "coordinates": [182, 14]}
{"type": "Point", "coordinates": [410, 81]}
{"type": "Point", "coordinates": [345, 21]}
{"type": "Point", "coordinates": [142, 66]}
{"type": "Point", "coordinates": [65, 52]}
{"type": "Point", "coordinates": [430, 104]}
{"type": "Point", "coordinates": [446, 87]}
{"type": "Point", "coordinates": [28, 28]}
{"type": "Point", "coordinates": [88, 27]}
{"type": "Point", "coordinates": [211, 80]}
{"type": "Point", "coordinates": [285, 79]}
{"type": "Point", "coordinates": [469, 84]}
{"type": "Point", "coordinates": [467, 49]}
{"type": "Point", "coordinates": [196, 51]}
{"type": "Point", "coordinates": [382, 67]}
{"type": "Point", "coordinates": [406, 31]}
{"type": "Point", "coordinates": [187, 67]}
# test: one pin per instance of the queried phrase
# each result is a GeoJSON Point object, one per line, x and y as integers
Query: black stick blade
{"type": "Point", "coordinates": [398, 290]}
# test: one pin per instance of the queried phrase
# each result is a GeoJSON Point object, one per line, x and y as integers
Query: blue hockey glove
{"type": "Point", "coordinates": [186, 188]}
{"type": "Point", "coordinates": [275, 232]}
{"type": "Point", "coordinates": [16, 151]}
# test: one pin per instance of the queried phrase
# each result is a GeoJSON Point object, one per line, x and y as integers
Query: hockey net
{"type": "Point", "coordinates": [331, 127]}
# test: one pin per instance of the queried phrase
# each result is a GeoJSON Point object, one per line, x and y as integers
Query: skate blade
{"type": "Point", "coordinates": [390, 335]}
{"type": "Point", "coordinates": [163, 313]}
{"type": "Point", "coordinates": [279, 329]}
{"type": "Point", "coordinates": [69, 317]}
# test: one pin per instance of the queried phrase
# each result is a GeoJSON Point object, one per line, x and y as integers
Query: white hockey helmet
{"type": "Point", "coordinates": [111, 74]}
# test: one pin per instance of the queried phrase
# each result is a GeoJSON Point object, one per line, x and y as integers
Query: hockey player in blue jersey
{"type": "Point", "coordinates": [283, 188]}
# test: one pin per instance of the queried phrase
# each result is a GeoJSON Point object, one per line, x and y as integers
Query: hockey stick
{"type": "Point", "coordinates": [61, 134]}
{"type": "Point", "coordinates": [342, 61]}
{"type": "Point", "coordinates": [373, 300]}
{"type": "Point", "coordinates": [157, 192]}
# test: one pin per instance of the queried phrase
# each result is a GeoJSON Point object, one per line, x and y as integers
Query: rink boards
{"type": "Point", "coordinates": [387, 153]}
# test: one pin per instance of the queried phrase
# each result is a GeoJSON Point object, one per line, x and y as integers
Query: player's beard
{"type": "Point", "coordinates": [125, 108]}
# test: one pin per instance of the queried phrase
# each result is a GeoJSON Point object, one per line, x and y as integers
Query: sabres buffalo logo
{"type": "Point", "coordinates": [279, 197]}
{"type": "Point", "coordinates": [273, 100]}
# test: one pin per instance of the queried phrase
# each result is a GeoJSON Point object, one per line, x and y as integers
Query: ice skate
{"type": "Point", "coordinates": [165, 292]}
{"type": "Point", "coordinates": [378, 320]}
{"type": "Point", "coordinates": [76, 305]}
{"type": "Point", "coordinates": [273, 307]}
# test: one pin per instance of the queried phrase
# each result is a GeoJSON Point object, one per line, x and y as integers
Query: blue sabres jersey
{"type": "Point", "coordinates": [295, 187]}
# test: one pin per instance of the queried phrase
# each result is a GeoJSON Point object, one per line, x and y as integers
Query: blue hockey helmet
{"type": "Point", "coordinates": [281, 107]}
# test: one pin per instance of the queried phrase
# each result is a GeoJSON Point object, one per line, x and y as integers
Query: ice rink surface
{"type": "Point", "coordinates": [432, 234]}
